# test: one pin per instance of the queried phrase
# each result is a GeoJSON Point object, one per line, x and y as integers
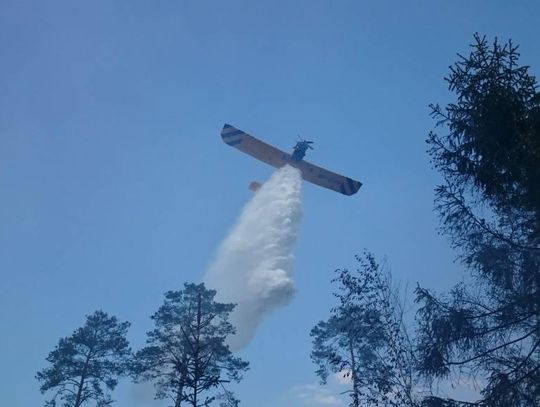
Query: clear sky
{"type": "Point", "coordinates": [115, 186]}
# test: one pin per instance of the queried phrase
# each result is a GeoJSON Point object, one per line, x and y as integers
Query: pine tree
{"type": "Point", "coordinates": [489, 204]}
{"type": "Point", "coordinates": [186, 354]}
{"type": "Point", "coordinates": [87, 364]}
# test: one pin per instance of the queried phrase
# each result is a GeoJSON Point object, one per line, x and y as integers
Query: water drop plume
{"type": "Point", "coordinates": [254, 264]}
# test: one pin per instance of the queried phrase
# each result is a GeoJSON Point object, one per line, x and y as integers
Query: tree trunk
{"type": "Point", "coordinates": [354, 378]}
{"type": "Point", "coordinates": [197, 374]}
{"type": "Point", "coordinates": [179, 392]}
{"type": "Point", "coordinates": [79, 392]}
{"type": "Point", "coordinates": [80, 388]}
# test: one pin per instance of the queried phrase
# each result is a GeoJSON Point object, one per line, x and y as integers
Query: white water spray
{"type": "Point", "coordinates": [254, 263]}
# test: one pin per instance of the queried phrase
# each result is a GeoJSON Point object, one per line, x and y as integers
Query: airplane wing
{"type": "Point", "coordinates": [327, 179]}
{"type": "Point", "coordinates": [277, 158]}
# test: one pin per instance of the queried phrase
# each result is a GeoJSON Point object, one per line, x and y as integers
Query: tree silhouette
{"type": "Point", "coordinates": [88, 363]}
{"type": "Point", "coordinates": [186, 354]}
{"type": "Point", "coordinates": [364, 339]}
{"type": "Point", "coordinates": [489, 206]}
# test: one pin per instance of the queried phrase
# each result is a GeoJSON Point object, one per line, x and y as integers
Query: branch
{"type": "Point", "coordinates": [486, 353]}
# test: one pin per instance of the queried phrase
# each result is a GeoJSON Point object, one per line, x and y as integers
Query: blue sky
{"type": "Point", "coordinates": [115, 185]}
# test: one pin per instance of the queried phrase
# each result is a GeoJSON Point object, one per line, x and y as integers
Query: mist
{"type": "Point", "coordinates": [253, 267]}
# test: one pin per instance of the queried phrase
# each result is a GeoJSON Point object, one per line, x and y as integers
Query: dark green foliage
{"type": "Point", "coordinates": [85, 365]}
{"type": "Point", "coordinates": [490, 209]}
{"type": "Point", "coordinates": [186, 356]}
{"type": "Point", "coordinates": [364, 339]}
{"type": "Point", "coordinates": [493, 142]}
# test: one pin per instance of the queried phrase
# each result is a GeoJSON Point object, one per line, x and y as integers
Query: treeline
{"type": "Point", "coordinates": [186, 356]}
{"type": "Point", "coordinates": [485, 332]}
{"type": "Point", "coordinates": [487, 149]}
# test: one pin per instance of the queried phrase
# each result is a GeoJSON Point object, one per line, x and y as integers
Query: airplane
{"type": "Point", "coordinates": [277, 158]}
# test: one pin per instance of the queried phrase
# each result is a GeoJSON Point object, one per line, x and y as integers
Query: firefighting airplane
{"type": "Point", "coordinates": [275, 157]}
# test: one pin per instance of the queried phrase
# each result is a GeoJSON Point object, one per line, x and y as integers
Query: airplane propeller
{"type": "Point", "coordinates": [307, 143]}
